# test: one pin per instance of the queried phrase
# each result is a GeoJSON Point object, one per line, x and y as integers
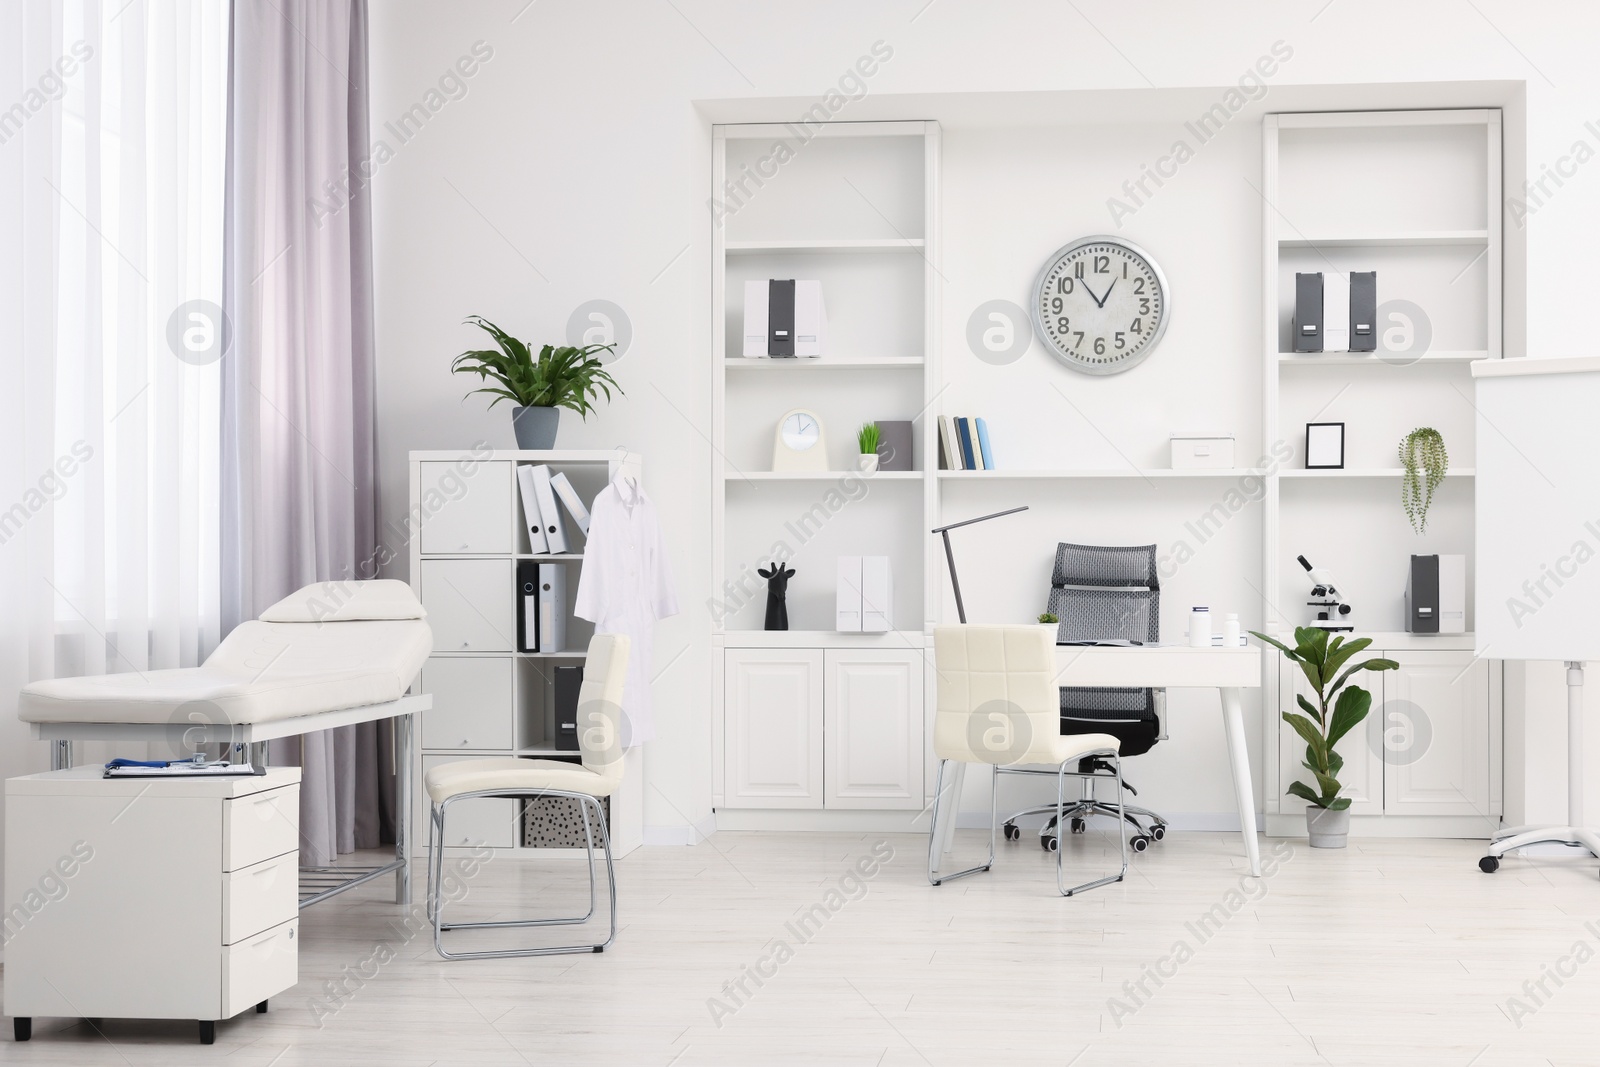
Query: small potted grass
{"type": "Point", "coordinates": [868, 437]}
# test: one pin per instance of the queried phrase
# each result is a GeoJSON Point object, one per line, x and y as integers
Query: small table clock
{"type": "Point", "coordinates": [799, 443]}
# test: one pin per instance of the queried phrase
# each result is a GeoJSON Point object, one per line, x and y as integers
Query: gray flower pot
{"type": "Point", "coordinates": [1328, 828]}
{"type": "Point", "coordinates": [535, 427]}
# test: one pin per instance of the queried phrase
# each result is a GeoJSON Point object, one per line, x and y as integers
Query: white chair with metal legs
{"type": "Point", "coordinates": [998, 704]}
{"type": "Point", "coordinates": [599, 741]}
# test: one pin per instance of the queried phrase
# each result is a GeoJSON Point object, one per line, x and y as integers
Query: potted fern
{"type": "Point", "coordinates": [539, 387]}
{"type": "Point", "coordinates": [1336, 711]}
{"type": "Point", "coordinates": [867, 439]}
{"type": "Point", "coordinates": [1423, 455]}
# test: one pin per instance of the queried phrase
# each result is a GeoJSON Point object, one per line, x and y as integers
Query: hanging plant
{"type": "Point", "coordinates": [1423, 455]}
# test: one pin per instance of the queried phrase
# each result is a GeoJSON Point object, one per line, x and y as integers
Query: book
{"type": "Point", "coordinates": [964, 443]}
{"type": "Point", "coordinates": [947, 443]}
{"type": "Point", "coordinates": [983, 444]}
{"type": "Point", "coordinates": [531, 518]}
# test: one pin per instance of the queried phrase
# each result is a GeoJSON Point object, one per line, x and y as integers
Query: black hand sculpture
{"type": "Point", "coordinates": [777, 577]}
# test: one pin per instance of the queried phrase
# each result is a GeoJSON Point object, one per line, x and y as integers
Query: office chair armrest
{"type": "Point", "coordinates": [1161, 714]}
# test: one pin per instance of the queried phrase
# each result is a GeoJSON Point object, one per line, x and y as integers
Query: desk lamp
{"type": "Point", "coordinates": [944, 531]}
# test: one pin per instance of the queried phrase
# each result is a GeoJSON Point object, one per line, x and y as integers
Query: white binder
{"type": "Point", "coordinates": [552, 607]}
{"type": "Point", "coordinates": [555, 538]}
{"type": "Point", "coordinates": [847, 604]}
{"type": "Point", "coordinates": [571, 501]}
{"type": "Point", "coordinates": [810, 319]}
{"type": "Point", "coordinates": [877, 594]}
{"type": "Point", "coordinates": [531, 516]}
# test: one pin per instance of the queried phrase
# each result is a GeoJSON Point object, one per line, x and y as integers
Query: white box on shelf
{"type": "Point", "coordinates": [1202, 451]}
{"type": "Point", "coordinates": [801, 329]}
{"type": "Point", "coordinates": [1336, 312]}
{"type": "Point", "coordinates": [877, 594]}
{"type": "Point", "coordinates": [847, 602]}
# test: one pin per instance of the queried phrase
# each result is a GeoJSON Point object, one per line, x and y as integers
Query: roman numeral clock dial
{"type": "Point", "coordinates": [1100, 305]}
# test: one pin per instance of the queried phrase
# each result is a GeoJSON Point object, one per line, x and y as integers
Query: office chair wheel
{"type": "Point", "coordinates": [1079, 826]}
{"type": "Point", "coordinates": [22, 1027]}
{"type": "Point", "coordinates": [1013, 832]}
{"type": "Point", "coordinates": [1138, 842]}
{"type": "Point", "coordinates": [1050, 844]}
{"type": "Point", "coordinates": [1158, 831]}
{"type": "Point", "coordinates": [1489, 864]}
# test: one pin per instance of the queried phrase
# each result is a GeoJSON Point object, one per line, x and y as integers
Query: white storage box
{"type": "Point", "coordinates": [1202, 451]}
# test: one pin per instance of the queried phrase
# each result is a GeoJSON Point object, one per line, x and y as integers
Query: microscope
{"type": "Point", "coordinates": [1332, 613]}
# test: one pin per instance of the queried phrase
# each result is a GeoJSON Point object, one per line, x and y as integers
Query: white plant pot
{"type": "Point", "coordinates": [869, 462]}
{"type": "Point", "coordinates": [1328, 828]}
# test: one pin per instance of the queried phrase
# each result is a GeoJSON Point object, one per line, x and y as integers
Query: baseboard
{"type": "Point", "coordinates": [1188, 821]}
{"type": "Point", "coordinates": [680, 835]}
{"type": "Point", "coordinates": [804, 820]}
{"type": "Point", "coordinates": [1460, 827]}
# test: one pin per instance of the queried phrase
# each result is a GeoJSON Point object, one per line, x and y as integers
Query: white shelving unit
{"type": "Point", "coordinates": [808, 723]}
{"type": "Point", "coordinates": [1415, 196]}
{"type": "Point", "coordinates": [488, 698]}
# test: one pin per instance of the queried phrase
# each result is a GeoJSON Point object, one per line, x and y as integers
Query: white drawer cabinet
{"type": "Point", "coordinates": [833, 728]}
{"type": "Point", "coordinates": [472, 703]}
{"type": "Point", "coordinates": [470, 604]}
{"type": "Point", "coordinates": [465, 508]}
{"type": "Point", "coordinates": [1429, 746]}
{"type": "Point", "coordinates": [774, 731]}
{"type": "Point", "coordinates": [873, 730]}
{"type": "Point", "coordinates": [1435, 726]}
{"type": "Point", "coordinates": [150, 899]}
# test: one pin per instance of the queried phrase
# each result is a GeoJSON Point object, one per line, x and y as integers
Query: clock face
{"type": "Point", "coordinates": [800, 431]}
{"type": "Point", "coordinates": [1100, 305]}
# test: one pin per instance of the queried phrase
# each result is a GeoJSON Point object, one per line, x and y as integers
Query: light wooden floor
{"type": "Point", "coordinates": [1393, 952]}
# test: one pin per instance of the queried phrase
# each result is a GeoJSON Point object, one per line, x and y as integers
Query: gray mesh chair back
{"type": "Point", "coordinates": [1105, 594]}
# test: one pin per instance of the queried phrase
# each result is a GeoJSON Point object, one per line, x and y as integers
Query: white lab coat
{"type": "Point", "coordinates": [624, 587]}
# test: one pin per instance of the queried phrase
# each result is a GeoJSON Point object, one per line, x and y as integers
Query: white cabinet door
{"type": "Point", "coordinates": [469, 604]}
{"type": "Point", "coordinates": [1435, 726]}
{"type": "Point", "coordinates": [465, 514]}
{"type": "Point", "coordinates": [481, 821]}
{"type": "Point", "coordinates": [1362, 776]}
{"type": "Point", "coordinates": [873, 735]}
{"type": "Point", "coordinates": [472, 703]}
{"type": "Point", "coordinates": [773, 716]}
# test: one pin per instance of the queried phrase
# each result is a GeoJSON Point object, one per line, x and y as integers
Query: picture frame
{"type": "Point", "coordinates": [1324, 446]}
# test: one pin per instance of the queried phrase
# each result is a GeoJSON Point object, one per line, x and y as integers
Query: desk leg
{"type": "Point", "coordinates": [1233, 724]}
{"type": "Point", "coordinates": [404, 738]}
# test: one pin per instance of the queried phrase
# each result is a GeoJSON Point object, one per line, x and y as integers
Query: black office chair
{"type": "Point", "coordinates": [1106, 594]}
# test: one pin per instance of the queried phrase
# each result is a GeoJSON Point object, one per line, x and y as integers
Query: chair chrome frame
{"type": "Point", "coordinates": [1062, 773]}
{"type": "Point", "coordinates": [436, 825]}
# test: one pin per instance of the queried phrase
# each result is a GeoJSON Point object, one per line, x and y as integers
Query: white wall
{"type": "Point", "coordinates": [575, 167]}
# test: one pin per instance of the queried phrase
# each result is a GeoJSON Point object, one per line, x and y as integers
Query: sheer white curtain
{"type": "Point", "coordinates": [113, 162]}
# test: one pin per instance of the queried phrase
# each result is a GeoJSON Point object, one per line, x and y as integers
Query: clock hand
{"type": "Point", "coordinates": [1100, 301]}
{"type": "Point", "coordinates": [1096, 299]}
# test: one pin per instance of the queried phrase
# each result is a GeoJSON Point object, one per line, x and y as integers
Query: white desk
{"type": "Point", "coordinates": [188, 735]}
{"type": "Point", "coordinates": [1226, 670]}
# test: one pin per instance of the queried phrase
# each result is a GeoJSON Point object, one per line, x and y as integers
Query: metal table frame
{"type": "Point", "coordinates": [323, 882]}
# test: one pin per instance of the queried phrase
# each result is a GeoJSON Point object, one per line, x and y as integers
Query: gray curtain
{"type": "Point", "coordinates": [298, 469]}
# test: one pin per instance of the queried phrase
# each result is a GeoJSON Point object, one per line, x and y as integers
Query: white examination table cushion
{"type": "Point", "coordinates": [261, 672]}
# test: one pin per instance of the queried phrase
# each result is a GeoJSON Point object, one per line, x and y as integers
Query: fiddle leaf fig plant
{"type": "Point", "coordinates": [1336, 711]}
{"type": "Point", "coordinates": [1423, 455]}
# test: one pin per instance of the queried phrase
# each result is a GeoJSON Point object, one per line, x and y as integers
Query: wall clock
{"type": "Point", "coordinates": [1100, 305]}
{"type": "Point", "coordinates": [799, 443]}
